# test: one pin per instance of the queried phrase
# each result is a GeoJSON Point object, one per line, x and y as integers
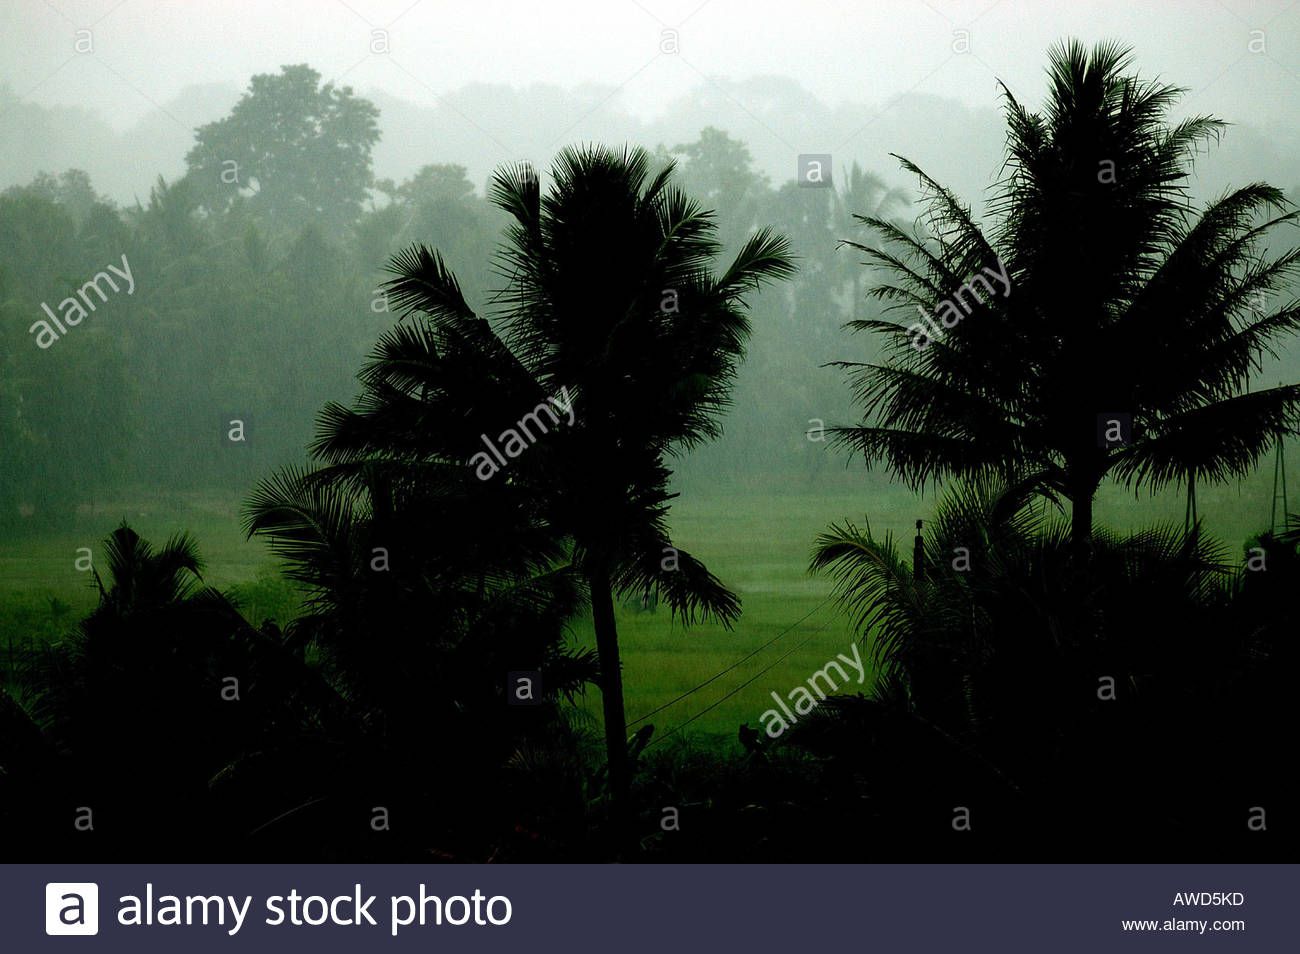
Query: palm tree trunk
{"type": "Point", "coordinates": [1081, 521]}
{"type": "Point", "coordinates": [1081, 516]}
{"type": "Point", "coordinates": [611, 689]}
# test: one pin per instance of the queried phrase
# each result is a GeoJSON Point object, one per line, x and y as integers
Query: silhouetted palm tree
{"type": "Point", "coordinates": [1004, 651]}
{"type": "Point", "coordinates": [424, 587]}
{"type": "Point", "coordinates": [610, 301]}
{"type": "Point", "coordinates": [1120, 299]}
{"type": "Point", "coordinates": [139, 705]}
{"type": "Point", "coordinates": [1001, 588]}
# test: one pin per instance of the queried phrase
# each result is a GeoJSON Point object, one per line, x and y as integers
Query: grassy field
{"type": "Point", "coordinates": [757, 543]}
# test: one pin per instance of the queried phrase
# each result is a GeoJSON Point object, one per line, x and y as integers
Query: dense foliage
{"type": "Point", "coordinates": [1057, 686]}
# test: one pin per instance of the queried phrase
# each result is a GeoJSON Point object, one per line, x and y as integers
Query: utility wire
{"type": "Point", "coordinates": [679, 727]}
{"type": "Point", "coordinates": [789, 629]}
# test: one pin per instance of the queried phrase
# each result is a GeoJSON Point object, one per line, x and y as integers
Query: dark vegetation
{"type": "Point", "coordinates": [1079, 694]}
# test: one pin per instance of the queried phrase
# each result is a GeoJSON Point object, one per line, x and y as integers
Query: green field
{"type": "Point", "coordinates": [757, 543]}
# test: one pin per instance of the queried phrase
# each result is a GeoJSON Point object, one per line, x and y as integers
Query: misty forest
{"type": "Point", "coordinates": [633, 506]}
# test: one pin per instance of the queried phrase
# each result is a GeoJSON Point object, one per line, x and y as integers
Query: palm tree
{"type": "Point", "coordinates": [423, 587]}
{"type": "Point", "coordinates": [867, 193]}
{"type": "Point", "coordinates": [1117, 298]}
{"type": "Point", "coordinates": [1000, 598]}
{"type": "Point", "coordinates": [1003, 652]}
{"type": "Point", "coordinates": [151, 662]}
{"type": "Point", "coordinates": [125, 642]}
{"type": "Point", "coordinates": [609, 307]}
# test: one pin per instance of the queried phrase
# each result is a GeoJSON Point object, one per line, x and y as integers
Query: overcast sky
{"type": "Point", "coordinates": [146, 51]}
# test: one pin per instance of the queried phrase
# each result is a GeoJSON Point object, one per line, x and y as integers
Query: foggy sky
{"type": "Point", "coordinates": [740, 64]}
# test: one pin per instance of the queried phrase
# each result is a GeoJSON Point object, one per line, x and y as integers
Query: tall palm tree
{"type": "Point", "coordinates": [610, 309]}
{"type": "Point", "coordinates": [1117, 298]}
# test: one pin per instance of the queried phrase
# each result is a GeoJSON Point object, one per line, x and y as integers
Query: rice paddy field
{"type": "Point", "coordinates": [758, 543]}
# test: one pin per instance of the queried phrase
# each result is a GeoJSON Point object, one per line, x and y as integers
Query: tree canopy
{"type": "Point", "coordinates": [299, 151]}
{"type": "Point", "coordinates": [1124, 338]}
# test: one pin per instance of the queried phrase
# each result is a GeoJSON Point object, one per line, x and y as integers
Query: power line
{"type": "Point", "coordinates": [789, 629]}
{"type": "Point", "coordinates": [714, 705]}
{"type": "Point", "coordinates": [679, 727]}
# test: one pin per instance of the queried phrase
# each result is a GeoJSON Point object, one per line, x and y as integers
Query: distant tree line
{"type": "Point", "coordinates": [258, 278]}
{"type": "Point", "coordinates": [1043, 684]}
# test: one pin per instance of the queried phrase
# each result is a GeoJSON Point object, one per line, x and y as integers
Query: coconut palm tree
{"type": "Point", "coordinates": [863, 195]}
{"type": "Point", "coordinates": [1001, 610]}
{"type": "Point", "coordinates": [613, 333]}
{"type": "Point", "coordinates": [1115, 301]}
{"type": "Point", "coordinates": [423, 587]}
{"type": "Point", "coordinates": [1004, 653]}
{"type": "Point", "coordinates": [154, 661]}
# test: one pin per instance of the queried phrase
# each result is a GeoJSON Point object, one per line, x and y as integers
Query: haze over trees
{"type": "Point", "coordinates": [611, 304]}
{"type": "Point", "coordinates": [1107, 266]}
{"type": "Point", "coordinates": [467, 427]}
{"type": "Point", "coordinates": [295, 150]}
